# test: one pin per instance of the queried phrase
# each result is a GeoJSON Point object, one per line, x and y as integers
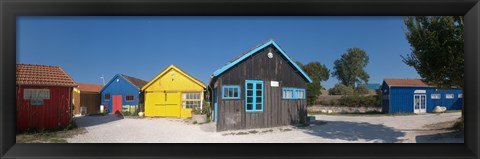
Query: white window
{"type": "Point", "coordinates": [231, 92]}
{"type": "Point", "coordinates": [287, 94]}
{"type": "Point", "coordinates": [191, 100]}
{"type": "Point", "coordinates": [293, 93]}
{"type": "Point", "coordinates": [460, 95]}
{"type": "Point", "coordinates": [436, 96]}
{"type": "Point", "coordinates": [449, 96]}
{"type": "Point", "coordinates": [300, 94]}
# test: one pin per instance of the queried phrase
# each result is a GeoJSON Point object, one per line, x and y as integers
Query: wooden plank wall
{"type": "Point", "coordinates": [91, 101]}
{"type": "Point", "coordinates": [276, 111]}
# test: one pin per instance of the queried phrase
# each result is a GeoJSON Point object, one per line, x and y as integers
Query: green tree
{"type": "Point", "coordinates": [313, 91]}
{"type": "Point", "coordinates": [362, 90]}
{"type": "Point", "coordinates": [349, 69]}
{"type": "Point", "coordinates": [341, 89]}
{"type": "Point", "coordinates": [317, 73]}
{"type": "Point", "coordinates": [437, 49]}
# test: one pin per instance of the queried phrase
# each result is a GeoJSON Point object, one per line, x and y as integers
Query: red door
{"type": "Point", "coordinates": [117, 104]}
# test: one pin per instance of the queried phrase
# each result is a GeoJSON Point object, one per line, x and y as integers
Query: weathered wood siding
{"type": "Point", "coordinates": [276, 111]}
{"type": "Point", "coordinates": [91, 101]}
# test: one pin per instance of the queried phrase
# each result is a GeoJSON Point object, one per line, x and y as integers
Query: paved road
{"type": "Point", "coordinates": [327, 129]}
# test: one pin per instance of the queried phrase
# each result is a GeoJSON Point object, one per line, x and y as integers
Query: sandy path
{"type": "Point", "coordinates": [328, 129]}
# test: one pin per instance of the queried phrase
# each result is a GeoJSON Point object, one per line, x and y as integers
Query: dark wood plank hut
{"type": "Point", "coordinates": [261, 88]}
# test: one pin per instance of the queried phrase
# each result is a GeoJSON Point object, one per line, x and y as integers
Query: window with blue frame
{"type": "Point", "coordinates": [253, 96]}
{"type": "Point", "coordinates": [293, 93]}
{"type": "Point", "coordinates": [231, 92]}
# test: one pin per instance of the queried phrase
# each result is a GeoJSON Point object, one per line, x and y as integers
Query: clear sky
{"type": "Point", "coordinates": [89, 47]}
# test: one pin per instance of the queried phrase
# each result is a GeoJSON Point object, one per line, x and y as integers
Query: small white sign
{"type": "Point", "coordinates": [274, 83]}
{"type": "Point", "coordinates": [420, 91]}
{"type": "Point", "coordinates": [36, 94]}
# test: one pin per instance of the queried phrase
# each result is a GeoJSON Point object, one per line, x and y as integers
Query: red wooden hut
{"type": "Point", "coordinates": [43, 97]}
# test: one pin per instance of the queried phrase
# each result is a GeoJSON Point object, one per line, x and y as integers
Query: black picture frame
{"type": "Point", "coordinates": [11, 9]}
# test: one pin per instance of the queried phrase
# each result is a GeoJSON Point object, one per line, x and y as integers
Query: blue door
{"type": "Point", "coordinates": [253, 96]}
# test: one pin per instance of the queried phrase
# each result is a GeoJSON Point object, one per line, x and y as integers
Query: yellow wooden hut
{"type": "Point", "coordinates": [173, 93]}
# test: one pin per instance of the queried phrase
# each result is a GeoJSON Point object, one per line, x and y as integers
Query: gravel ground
{"type": "Point", "coordinates": [327, 129]}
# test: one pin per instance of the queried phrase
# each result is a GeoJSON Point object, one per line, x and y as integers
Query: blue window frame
{"type": "Point", "coordinates": [253, 96]}
{"type": "Point", "coordinates": [230, 92]}
{"type": "Point", "coordinates": [293, 93]}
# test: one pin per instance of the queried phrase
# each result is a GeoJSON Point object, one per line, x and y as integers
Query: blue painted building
{"type": "Point", "coordinates": [122, 93]}
{"type": "Point", "coordinates": [414, 96]}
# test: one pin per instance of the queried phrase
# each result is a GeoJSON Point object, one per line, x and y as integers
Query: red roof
{"type": "Point", "coordinates": [43, 75]}
{"type": "Point", "coordinates": [89, 87]}
{"type": "Point", "coordinates": [405, 82]}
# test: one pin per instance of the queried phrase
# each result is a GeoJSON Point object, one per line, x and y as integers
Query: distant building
{"type": "Point", "coordinates": [122, 93]}
{"type": "Point", "coordinates": [86, 98]}
{"type": "Point", "coordinates": [44, 97]}
{"type": "Point", "coordinates": [371, 86]}
{"type": "Point", "coordinates": [414, 96]}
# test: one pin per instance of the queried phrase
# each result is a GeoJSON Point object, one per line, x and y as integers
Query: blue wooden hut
{"type": "Point", "coordinates": [414, 96]}
{"type": "Point", "coordinates": [122, 93]}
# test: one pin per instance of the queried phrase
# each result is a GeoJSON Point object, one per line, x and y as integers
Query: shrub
{"type": "Point", "coordinates": [459, 125]}
{"type": "Point", "coordinates": [71, 125]}
{"type": "Point", "coordinates": [206, 109]}
{"type": "Point", "coordinates": [327, 102]}
{"type": "Point", "coordinates": [333, 102]}
{"type": "Point", "coordinates": [357, 101]}
{"type": "Point", "coordinates": [340, 89]}
{"type": "Point", "coordinates": [361, 90]}
{"type": "Point", "coordinates": [323, 102]}
{"type": "Point", "coordinates": [126, 113]}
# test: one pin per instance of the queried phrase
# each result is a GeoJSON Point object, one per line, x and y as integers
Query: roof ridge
{"type": "Point", "coordinates": [43, 65]}
{"type": "Point", "coordinates": [130, 78]}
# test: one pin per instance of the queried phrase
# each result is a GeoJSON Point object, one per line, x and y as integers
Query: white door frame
{"type": "Point", "coordinates": [420, 110]}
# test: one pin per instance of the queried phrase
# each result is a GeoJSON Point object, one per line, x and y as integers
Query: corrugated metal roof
{"type": "Point", "coordinates": [43, 75]}
{"type": "Point", "coordinates": [405, 82]}
{"type": "Point", "coordinates": [89, 87]}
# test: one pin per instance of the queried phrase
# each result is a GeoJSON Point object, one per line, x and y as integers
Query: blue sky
{"type": "Point", "coordinates": [89, 47]}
